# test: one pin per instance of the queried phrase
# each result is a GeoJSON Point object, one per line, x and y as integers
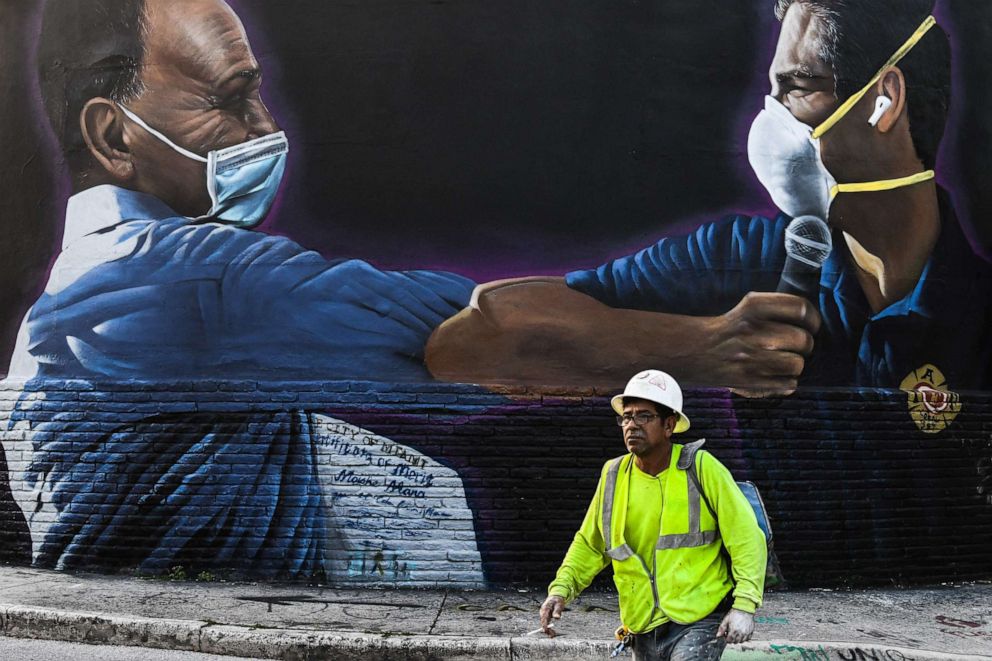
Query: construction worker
{"type": "Point", "coordinates": [680, 598]}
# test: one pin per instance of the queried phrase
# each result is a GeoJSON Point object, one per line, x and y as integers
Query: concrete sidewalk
{"type": "Point", "coordinates": [293, 622]}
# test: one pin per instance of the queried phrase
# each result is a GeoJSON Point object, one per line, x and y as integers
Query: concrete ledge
{"type": "Point", "coordinates": [100, 628]}
{"type": "Point", "coordinates": [308, 645]}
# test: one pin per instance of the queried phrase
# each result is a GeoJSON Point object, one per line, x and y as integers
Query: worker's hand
{"type": "Point", "coordinates": [760, 347]}
{"type": "Point", "coordinates": [737, 626]}
{"type": "Point", "coordinates": [551, 609]}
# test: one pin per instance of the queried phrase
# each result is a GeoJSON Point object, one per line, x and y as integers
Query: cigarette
{"type": "Point", "coordinates": [541, 630]}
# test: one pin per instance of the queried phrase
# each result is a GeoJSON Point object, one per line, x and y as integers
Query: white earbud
{"type": "Point", "coordinates": [882, 104]}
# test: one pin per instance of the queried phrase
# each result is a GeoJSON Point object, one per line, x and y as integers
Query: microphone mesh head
{"type": "Point", "coordinates": [807, 238]}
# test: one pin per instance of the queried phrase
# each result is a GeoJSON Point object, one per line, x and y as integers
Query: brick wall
{"type": "Point", "coordinates": [437, 484]}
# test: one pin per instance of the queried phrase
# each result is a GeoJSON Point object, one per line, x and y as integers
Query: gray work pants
{"type": "Point", "coordinates": [682, 642]}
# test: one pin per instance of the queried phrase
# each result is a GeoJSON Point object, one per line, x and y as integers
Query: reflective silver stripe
{"type": "Point", "coordinates": [687, 540]}
{"type": "Point", "coordinates": [621, 552]}
{"type": "Point", "coordinates": [611, 483]}
{"type": "Point", "coordinates": [694, 537]}
{"type": "Point", "coordinates": [654, 583]}
{"type": "Point", "coordinates": [693, 506]}
{"type": "Point", "coordinates": [689, 454]}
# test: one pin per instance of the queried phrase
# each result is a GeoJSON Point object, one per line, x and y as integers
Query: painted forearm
{"type": "Point", "coordinates": [540, 330]}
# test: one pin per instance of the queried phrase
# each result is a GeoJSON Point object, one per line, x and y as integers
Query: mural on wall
{"type": "Point", "coordinates": [160, 278]}
{"type": "Point", "coordinates": [272, 493]}
{"type": "Point", "coordinates": [172, 168]}
{"type": "Point", "coordinates": [534, 246]}
{"type": "Point", "coordinates": [870, 282]}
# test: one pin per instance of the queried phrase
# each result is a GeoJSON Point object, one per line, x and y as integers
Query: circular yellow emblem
{"type": "Point", "coordinates": [932, 406]}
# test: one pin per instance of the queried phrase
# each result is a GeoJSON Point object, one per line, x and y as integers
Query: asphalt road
{"type": "Point", "coordinates": [24, 649]}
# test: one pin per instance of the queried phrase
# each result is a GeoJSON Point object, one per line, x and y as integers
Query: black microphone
{"type": "Point", "coordinates": [807, 246]}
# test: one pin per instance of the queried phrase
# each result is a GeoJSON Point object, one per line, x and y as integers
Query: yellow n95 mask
{"type": "Point", "coordinates": [785, 153]}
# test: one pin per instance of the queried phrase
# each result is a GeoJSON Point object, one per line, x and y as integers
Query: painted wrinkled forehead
{"type": "Point", "coordinates": [800, 47]}
{"type": "Point", "coordinates": [198, 37]}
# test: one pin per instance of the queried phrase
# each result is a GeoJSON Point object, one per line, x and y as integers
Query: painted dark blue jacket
{"type": "Point", "coordinates": [946, 321]}
{"type": "Point", "coordinates": [140, 293]}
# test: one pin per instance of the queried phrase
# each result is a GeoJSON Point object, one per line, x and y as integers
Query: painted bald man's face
{"type": "Point", "coordinates": [201, 89]}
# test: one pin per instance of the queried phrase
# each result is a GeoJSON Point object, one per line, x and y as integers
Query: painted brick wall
{"type": "Point", "coordinates": [456, 485]}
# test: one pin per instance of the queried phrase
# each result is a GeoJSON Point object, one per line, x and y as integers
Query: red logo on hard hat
{"type": "Point", "coordinates": [657, 380]}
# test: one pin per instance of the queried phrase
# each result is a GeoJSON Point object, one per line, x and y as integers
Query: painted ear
{"type": "Point", "coordinates": [102, 126]}
{"type": "Point", "coordinates": [891, 101]}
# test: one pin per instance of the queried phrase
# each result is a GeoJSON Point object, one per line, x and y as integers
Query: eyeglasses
{"type": "Point", "coordinates": [640, 418]}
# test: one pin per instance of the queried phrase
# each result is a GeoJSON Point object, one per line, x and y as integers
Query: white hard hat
{"type": "Point", "coordinates": [654, 386]}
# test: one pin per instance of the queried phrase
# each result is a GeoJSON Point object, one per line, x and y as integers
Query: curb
{"type": "Point", "coordinates": [308, 645]}
{"type": "Point", "coordinates": [808, 650]}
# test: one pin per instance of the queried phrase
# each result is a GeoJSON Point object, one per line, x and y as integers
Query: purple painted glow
{"type": "Point", "coordinates": [49, 146]}
{"type": "Point", "coordinates": [759, 201]}
{"type": "Point", "coordinates": [949, 158]}
{"type": "Point", "coordinates": [275, 101]}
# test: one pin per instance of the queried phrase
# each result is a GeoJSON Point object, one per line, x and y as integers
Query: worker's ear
{"type": "Point", "coordinates": [102, 125]}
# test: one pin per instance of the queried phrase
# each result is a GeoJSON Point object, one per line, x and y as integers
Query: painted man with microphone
{"type": "Point", "coordinates": [886, 288]}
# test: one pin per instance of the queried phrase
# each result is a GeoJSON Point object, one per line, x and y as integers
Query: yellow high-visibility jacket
{"type": "Point", "coordinates": [685, 576]}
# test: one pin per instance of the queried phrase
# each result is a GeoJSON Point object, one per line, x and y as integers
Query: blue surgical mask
{"type": "Point", "coordinates": [242, 180]}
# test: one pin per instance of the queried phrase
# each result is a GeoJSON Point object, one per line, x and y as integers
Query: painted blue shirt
{"type": "Point", "coordinates": [140, 292]}
{"type": "Point", "coordinates": [946, 321]}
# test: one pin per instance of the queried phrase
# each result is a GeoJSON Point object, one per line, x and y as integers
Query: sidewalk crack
{"type": "Point", "coordinates": [199, 633]}
{"type": "Point", "coordinates": [437, 617]}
